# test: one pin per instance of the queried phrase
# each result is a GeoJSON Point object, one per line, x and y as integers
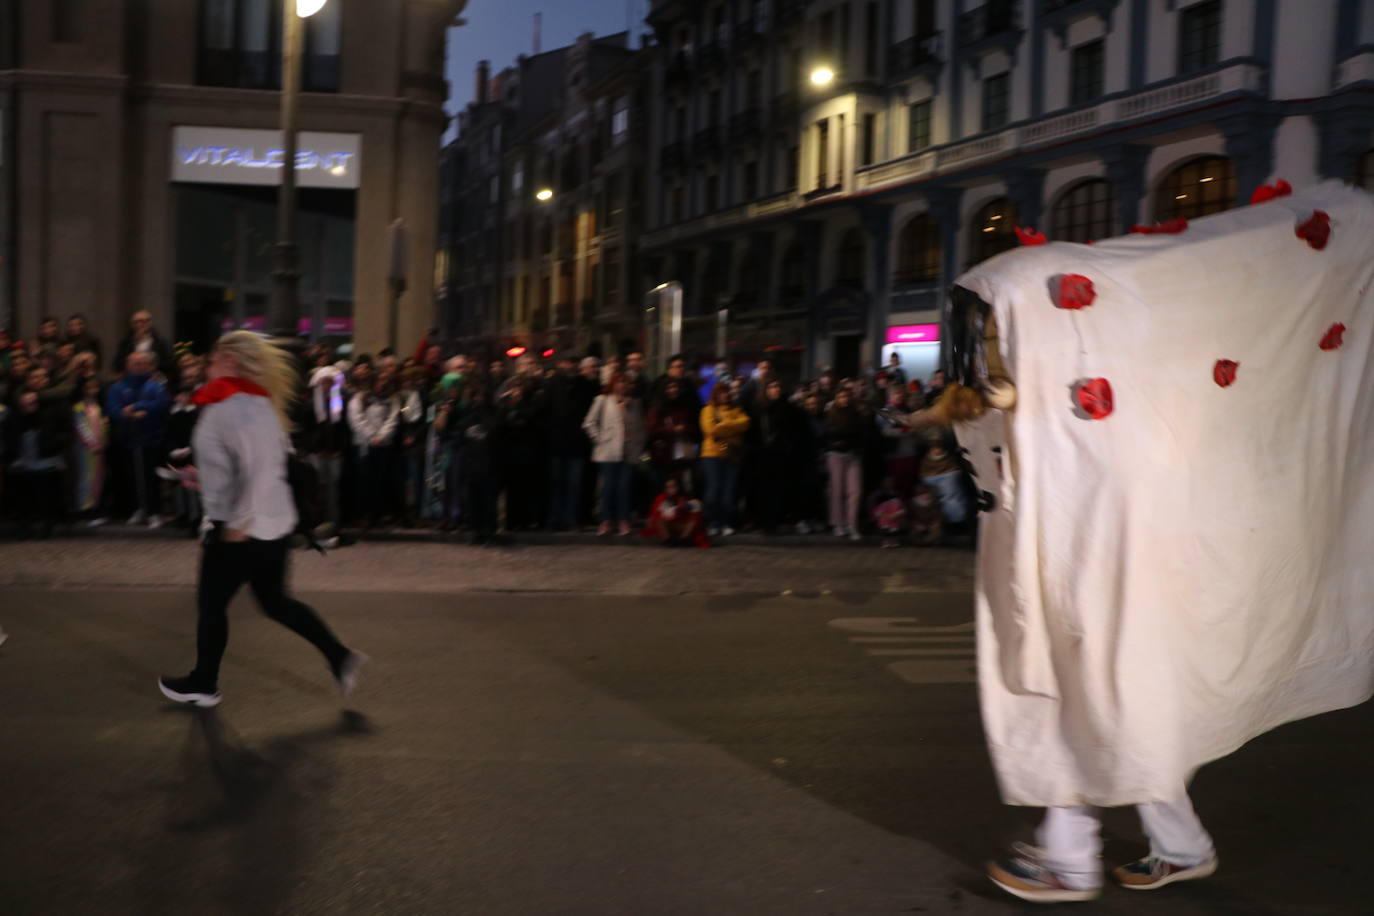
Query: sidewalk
{"type": "Point", "coordinates": [555, 564]}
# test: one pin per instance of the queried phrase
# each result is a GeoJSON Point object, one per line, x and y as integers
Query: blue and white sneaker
{"type": "Point", "coordinates": [1023, 874]}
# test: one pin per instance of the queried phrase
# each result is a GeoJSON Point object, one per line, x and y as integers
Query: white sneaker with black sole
{"type": "Point", "coordinates": [186, 690]}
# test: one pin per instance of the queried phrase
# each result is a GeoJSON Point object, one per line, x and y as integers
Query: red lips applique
{"type": "Point", "coordinates": [1168, 227]}
{"type": "Point", "coordinates": [1095, 397]}
{"type": "Point", "coordinates": [1075, 291]}
{"type": "Point", "coordinates": [1224, 372]}
{"type": "Point", "coordinates": [1267, 192]}
{"type": "Point", "coordinates": [1334, 337]}
{"type": "Point", "coordinates": [1029, 237]}
{"type": "Point", "coordinates": [1316, 230]}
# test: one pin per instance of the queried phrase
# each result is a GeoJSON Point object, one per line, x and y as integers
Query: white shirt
{"type": "Point", "coordinates": [240, 453]}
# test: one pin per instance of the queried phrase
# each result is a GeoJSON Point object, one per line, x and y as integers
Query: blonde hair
{"type": "Point", "coordinates": [266, 364]}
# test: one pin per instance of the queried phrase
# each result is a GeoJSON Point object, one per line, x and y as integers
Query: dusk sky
{"type": "Point", "coordinates": [499, 30]}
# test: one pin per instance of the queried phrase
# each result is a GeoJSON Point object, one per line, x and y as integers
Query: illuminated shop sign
{"type": "Point", "coordinates": [913, 333]}
{"type": "Point", "coordinates": [333, 327]}
{"type": "Point", "coordinates": [226, 155]}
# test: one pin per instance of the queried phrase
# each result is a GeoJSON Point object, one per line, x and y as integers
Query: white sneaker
{"type": "Point", "coordinates": [727, 531]}
{"type": "Point", "coordinates": [154, 521]}
{"type": "Point", "coordinates": [840, 531]}
{"type": "Point", "coordinates": [803, 528]}
{"type": "Point", "coordinates": [348, 672]}
{"type": "Point", "coordinates": [855, 536]}
{"type": "Point", "coordinates": [138, 517]}
{"type": "Point", "coordinates": [713, 532]}
{"type": "Point", "coordinates": [97, 522]}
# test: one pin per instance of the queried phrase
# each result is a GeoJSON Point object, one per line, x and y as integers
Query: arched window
{"type": "Point", "coordinates": [850, 270]}
{"type": "Point", "coordinates": [1197, 188]}
{"type": "Point", "coordinates": [1085, 212]}
{"type": "Point", "coordinates": [994, 230]}
{"type": "Point", "coordinates": [919, 251]}
{"type": "Point", "coordinates": [1364, 171]}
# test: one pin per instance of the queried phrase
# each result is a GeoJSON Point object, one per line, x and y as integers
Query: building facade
{"type": "Point", "coordinates": [141, 154]}
{"type": "Point", "coordinates": [545, 205]}
{"type": "Point", "coordinates": [826, 216]}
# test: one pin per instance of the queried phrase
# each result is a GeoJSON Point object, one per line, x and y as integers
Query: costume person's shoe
{"type": "Point", "coordinates": [1023, 874]}
{"type": "Point", "coordinates": [189, 690]}
{"type": "Point", "coordinates": [1152, 872]}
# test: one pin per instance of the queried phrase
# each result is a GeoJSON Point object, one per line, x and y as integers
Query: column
{"type": "Point", "coordinates": [1126, 171]}
{"type": "Point", "coordinates": [1026, 188]}
{"type": "Point", "coordinates": [876, 220]}
{"type": "Point", "coordinates": [1250, 144]}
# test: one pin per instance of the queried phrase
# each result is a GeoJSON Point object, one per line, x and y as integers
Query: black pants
{"type": "Point", "coordinates": [479, 504]}
{"type": "Point", "coordinates": [262, 564]}
{"type": "Point", "coordinates": [36, 496]}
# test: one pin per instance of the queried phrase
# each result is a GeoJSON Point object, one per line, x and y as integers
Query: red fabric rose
{"type": "Point", "coordinates": [1224, 372]}
{"type": "Point", "coordinates": [1095, 397]}
{"type": "Point", "coordinates": [1075, 291]}
{"type": "Point", "coordinates": [1029, 236]}
{"type": "Point", "coordinates": [1266, 192]}
{"type": "Point", "coordinates": [1317, 229]}
{"type": "Point", "coordinates": [1333, 337]}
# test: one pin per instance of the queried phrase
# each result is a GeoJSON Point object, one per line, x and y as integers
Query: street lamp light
{"type": "Point", "coordinates": [822, 76]}
{"type": "Point", "coordinates": [286, 273]}
{"type": "Point", "coordinates": [545, 194]}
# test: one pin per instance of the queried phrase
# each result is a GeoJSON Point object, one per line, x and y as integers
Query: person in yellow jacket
{"type": "Point", "coordinates": [722, 448]}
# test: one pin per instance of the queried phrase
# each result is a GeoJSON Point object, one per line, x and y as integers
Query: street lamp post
{"type": "Point", "coordinates": [285, 310]}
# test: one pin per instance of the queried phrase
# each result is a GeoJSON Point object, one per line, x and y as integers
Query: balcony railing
{"type": "Point", "coordinates": [913, 53]}
{"type": "Point", "coordinates": [992, 19]}
{"type": "Point", "coordinates": [1234, 78]}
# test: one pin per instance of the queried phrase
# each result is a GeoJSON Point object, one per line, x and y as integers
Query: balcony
{"type": "Point", "coordinates": [1117, 111]}
{"type": "Point", "coordinates": [746, 126]}
{"type": "Point", "coordinates": [995, 24]}
{"type": "Point", "coordinates": [706, 143]}
{"type": "Point", "coordinates": [914, 55]}
{"type": "Point", "coordinates": [673, 157]}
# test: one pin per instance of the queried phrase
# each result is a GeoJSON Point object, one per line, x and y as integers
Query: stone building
{"type": "Point", "coordinates": [823, 169]}
{"type": "Point", "coordinates": [141, 153]}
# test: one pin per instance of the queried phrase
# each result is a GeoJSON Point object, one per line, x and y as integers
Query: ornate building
{"type": "Point", "coordinates": [823, 169]}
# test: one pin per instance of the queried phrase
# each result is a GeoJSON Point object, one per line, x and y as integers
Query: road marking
{"type": "Point", "coordinates": [930, 654]}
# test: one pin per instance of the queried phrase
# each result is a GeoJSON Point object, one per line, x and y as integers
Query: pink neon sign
{"type": "Point", "coordinates": [913, 333]}
{"type": "Point", "coordinates": [333, 327]}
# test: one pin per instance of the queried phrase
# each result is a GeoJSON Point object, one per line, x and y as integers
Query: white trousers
{"type": "Point", "coordinates": [1070, 839]}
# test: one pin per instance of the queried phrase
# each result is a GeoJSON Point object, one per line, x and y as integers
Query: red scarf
{"type": "Point", "coordinates": [222, 389]}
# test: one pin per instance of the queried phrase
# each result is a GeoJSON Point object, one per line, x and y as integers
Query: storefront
{"type": "Point", "coordinates": [917, 346]}
{"type": "Point", "coordinates": [224, 203]}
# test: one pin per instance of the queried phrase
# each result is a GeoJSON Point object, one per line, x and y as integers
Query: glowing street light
{"type": "Point", "coordinates": [544, 194]}
{"type": "Point", "coordinates": [307, 8]}
{"type": "Point", "coordinates": [822, 76]}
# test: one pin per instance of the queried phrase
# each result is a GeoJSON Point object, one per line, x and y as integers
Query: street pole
{"type": "Point", "coordinates": [286, 273]}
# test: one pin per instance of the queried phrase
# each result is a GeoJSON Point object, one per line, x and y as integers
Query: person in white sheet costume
{"type": "Point", "coordinates": [1176, 449]}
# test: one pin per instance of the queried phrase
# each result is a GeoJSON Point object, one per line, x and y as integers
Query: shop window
{"type": "Point", "coordinates": [1085, 73]}
{"type": "Point", "coordinates": [1197, 188]}
{"type": "Point", "coordinates": [918, 126]}
{"type": "Point", "coordinates": [850, 268]}
{"type": "Point", "coordinates": [1364, 171]}
{"type": "Point", "coordinates": [1199, 36]}
{"type": "Point", "coordinates": [1085, 212]}
{"type": "Point", "coordinates": [919, 251]}
{"type": "Point", "coordinates": [996, 101]}
{"type": "Point", "coordinates": [240, 45]}
{"type": "Point", "coordinates": [993, 230]}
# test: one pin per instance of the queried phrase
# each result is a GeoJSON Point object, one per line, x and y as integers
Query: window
{"type": "Point", "coordinates": [620, 121]}
{"type": "Point", "coordinates": [611, 276]}
{"type": "Point", "coordinates": [822, 153]}
{"type": "Point", "coordinates": [839, 150]}
{"type": "Point", "coordinates": [871, 40]}
{"type": "Point", "coordinates": [794, 267]}
{"type": "Point", "coordinates": [677, 203]}
{"type": "Point", "coordinates": [517, 178]}
{"type": "Point", "coordinates": [712, 193]}
{"type": "Point", "coordinates": [1197, 188]}
{"type": "Point", "coordinates": [996, 101]}
{"type": "Point", "coordinates": [713, 108]}
{"type": "Point", "coordinates": [793, 167]}
{"type": "Point", "coordinates": [680, 123]}
{"type": "Point", "coordinates": [66, 20]}
{"type": "Point", "coordinates": [842, 54]}
{"type": "Point", "coordinates": [494, 188]}
{"type": "Point", "coordinates": [870, 139]}
{"type": "Point", "coordinates": [923, 17]}
{"type": "Point", "coordinates": [1085, 73]}
{"type": "Point", "coordinates": [993, 230]}
{"type": "Point", "coordinates": [751, 180]}
{"type": "Point", "coordinates": [849, 270]}
{"type": "Point", "coordinates": [240, 45]}
{"type": "Point", "coordinates": [825, 35]}
{"type": "Point", "coordinates": [753, 89]}
{"type": "Point", "coordinates": [1199, 36]}
{"type": "Point", "coordinates": [919, 251]}
{"type": "Point", "coordinates": [1364, 171]}
{"type": "Point", "coordinates": [615, 201]}
{"type": "Point", "coordinates": [918, 126]}
{"type": "Point", "coordinates": [1085, 212]}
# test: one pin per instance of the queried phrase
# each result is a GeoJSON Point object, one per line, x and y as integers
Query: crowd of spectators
{"type": "Point", "coordinates": [459, 444]}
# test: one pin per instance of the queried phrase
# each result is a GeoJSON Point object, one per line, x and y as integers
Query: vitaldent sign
{"type": "Point", "coordinates": [227, 155]}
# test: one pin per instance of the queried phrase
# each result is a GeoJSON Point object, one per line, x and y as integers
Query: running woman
{"type": "Point", "coordinates": [240, 446]}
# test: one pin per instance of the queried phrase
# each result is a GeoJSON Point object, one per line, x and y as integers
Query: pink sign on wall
{"type": "Point", "coordinates": [333, 327]}
{"type": "Point", "coordinates": [913, 333]}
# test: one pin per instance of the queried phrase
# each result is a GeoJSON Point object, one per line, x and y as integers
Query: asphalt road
{"type": "Point", "coordinates": [590, 754]}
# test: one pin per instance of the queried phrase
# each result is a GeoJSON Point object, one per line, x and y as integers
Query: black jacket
{"type": "Point", "coordinates": [52, 420]}
{"type": "Point", "coordinates": [564, 402]}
